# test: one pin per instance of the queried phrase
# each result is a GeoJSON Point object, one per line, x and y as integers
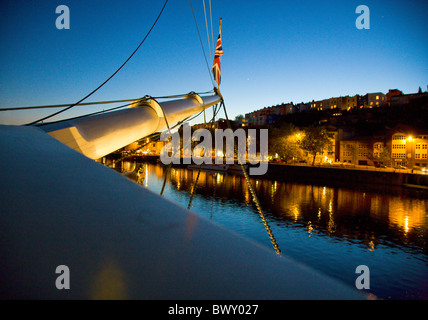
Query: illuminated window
{"type": "Point", "coordinates": [399, 137]}
{"type": "Point", "coordinates": [398, 155]}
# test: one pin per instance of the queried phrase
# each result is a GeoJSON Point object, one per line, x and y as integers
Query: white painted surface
{"type": "Point", "coordinates": [99, 135]}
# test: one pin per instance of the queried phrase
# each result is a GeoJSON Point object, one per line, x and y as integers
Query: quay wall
{"type": "Point", "coordinates": [354, 176]}
{"type": "Point", "coordinates": [330, 174]}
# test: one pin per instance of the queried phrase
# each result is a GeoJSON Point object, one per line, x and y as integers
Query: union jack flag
{"type": "Point", "coordinates": [218, 53]}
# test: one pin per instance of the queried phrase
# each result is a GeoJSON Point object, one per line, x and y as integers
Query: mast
{"type": "Point", "coordinates": [99, 135]}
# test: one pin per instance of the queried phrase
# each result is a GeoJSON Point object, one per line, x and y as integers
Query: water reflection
{"type": "Point", "coordinates": [333, 229]}
{"type": "Point", "coordinates": [367, 217]}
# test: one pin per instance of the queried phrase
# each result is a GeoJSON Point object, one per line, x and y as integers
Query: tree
{"type": "Point", "coordinates": [385, 157]}
{"type": "Point", "coordinates": [314, 141]}
{"type": "Point", "coordinates": [239, 118]}
{"type": "Point", "coordinates": [285, 142]}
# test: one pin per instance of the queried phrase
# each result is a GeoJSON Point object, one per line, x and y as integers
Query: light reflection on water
{"type": "Point", "coordinates": [332, 229]}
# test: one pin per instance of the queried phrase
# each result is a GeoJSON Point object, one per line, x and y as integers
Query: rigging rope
{"type": "Point", "coordinates": [254, 195]}
{"type": "Point", "coordinates": [208, 35]}
{"type": "Point", "coordinates": [202, 46]}
{"type": "Point", "coordinates": [115, 108]}
{"type": "Point", "coordinates": [168, 169]}
{"type": "Point", "coordinates": [129, 58]}
{"type": "Point", "coordinates": [214, 194]}
{"type": "Point", "coordinates": [212, 32]}
{"type": "Point", "coordinates": [96, 102]}
{"type": "Point", "coordinates": [63, 105]}
{"type": "Point", "coordinates": [170, 164]}
{"type": "Point", "coordinates": [90, 114]}
{"type": "Point", "coordinates": [192, 193]}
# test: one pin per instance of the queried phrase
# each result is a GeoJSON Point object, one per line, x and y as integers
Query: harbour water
{"type": "Point", "coordinates": [330, 228]}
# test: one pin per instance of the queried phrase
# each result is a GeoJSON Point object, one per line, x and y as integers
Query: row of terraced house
{"type": "Point", "coordinates": [268, 115]}
{"type": "Point", "coordinates": [400, 146]}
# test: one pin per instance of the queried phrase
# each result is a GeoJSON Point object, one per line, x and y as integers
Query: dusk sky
{"type": "Point", "coordinates": [274, 52]}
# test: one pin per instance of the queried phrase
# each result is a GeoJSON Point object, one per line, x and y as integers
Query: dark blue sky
{"type": "Point", "coordinates": [274, 51]}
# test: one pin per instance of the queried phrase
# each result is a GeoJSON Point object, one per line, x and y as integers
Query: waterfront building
{"type": "Point", "coordinates": [398, 155]}
{"type": "Point", "coordinates": [253, 118]}
{"type": "Point", "coordinates": [391, 93]}
{"type": "Point", "coordinates": [420, 144]}
{"type": "Point", "coordinates": [303, 107]}
{"type": "Point", "coordinates": [375, 99]}
{"type": "Point", "coordinates": [402, 146]}
{"type": "Point", "coordinates": [154, 148]}
{"type": "Point", "coordinates": [331, 152]}
{"type": "Point", "coordinates": [318, 105]}
{"type": "Point", "coordinates": [327, 104]}
{"type": "Point", "coordinates": [281, 109]}
{"type": "Point", "coordinates": [248, 119]}
{"type": "Point", "coordinates": [268, 115]}
{"type": "Point", "coordinates": [406, 98]}
{"type": "Point", "coordinates": [335, 103]}
{"type": "Point", "coordinates": [347, 102]}
{"type": "Point", "coordinates": [409, 147]}
{"type": "Point", "coordinates": [363, 101]}
{"type": "Point", "coordinates": [357, 151]}
{"type": "Point", "coordinates": [369, 100]}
